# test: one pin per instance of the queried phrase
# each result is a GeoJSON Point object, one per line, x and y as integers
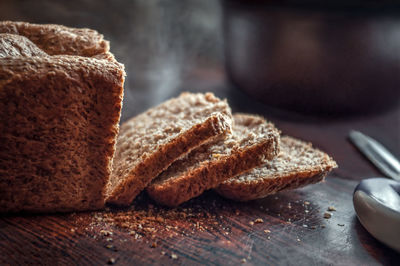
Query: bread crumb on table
{"type": "Point", "coordinates": [174, 256]}
{"type": "Point", "coordinates": [331, 209]}
{"type": "Point", "coordinates": [327, 215]}
{"type": "Point", "coordinates": [111, 261]}
{"type": "Point", "coordinates": [147, 221]}
{"type": "Point", "coordinates": [106, 233]}
{"type": "Point", "coordinates": [258, 221]}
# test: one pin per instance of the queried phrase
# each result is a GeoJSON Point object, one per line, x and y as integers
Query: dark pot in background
{"type": "Point", "coordinates": [314, 59]}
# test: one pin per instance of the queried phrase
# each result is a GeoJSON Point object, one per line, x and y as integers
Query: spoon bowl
{"type": "Point", "coordinates": [377, 205]}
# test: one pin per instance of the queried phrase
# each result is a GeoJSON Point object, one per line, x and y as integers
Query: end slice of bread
{"type": "Point", "coordinates": [297, 165]}
{"type": "Point", "coordinates": [149, 143]}
{"type": "Point", "coordinates": [253, 143]}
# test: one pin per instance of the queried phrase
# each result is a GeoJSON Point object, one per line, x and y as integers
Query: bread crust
{"type": "Point", "coordinates": [14, 45]}
{"type": "Point", "coordinates": [271, 178]}
{"type": "Point", "coordinates": [132, 179]}
{"type": "Point", "coordinates": [174, 186]}
{"type": "Point", "coordinates": [59, 40]}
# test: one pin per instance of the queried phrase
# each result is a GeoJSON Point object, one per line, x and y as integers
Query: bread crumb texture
{"type": "Point", "coordinates": [297, 164]}
{"type": "Point", "coordinates": [253, 142]}
{"type": "Point", "coordinates": [150, 142]}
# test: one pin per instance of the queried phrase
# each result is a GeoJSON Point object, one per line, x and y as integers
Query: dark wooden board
{"type": "Point", "coordinates": [191, 59]}
{"type": "Point", "coordinates": [299, 234]}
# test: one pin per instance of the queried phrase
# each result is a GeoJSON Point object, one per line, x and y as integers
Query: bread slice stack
{"type": "Point", "coordinates": [249, 161]}
{"type": "Point", "coordinates": [253, 163]}
{"type": "Point", "coordinates": [149, 143]}
{"type": "Point", "coordinates": [252, 143]}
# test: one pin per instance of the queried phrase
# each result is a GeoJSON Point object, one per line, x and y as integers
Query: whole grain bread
{"type": "Point", "coordinates": [58, 124]}
{"type": "Point", "coordinates": [297, 165]}
{"type": "Point", "coordinates": [57, 131]}
{"type": "Point", "coordinates": [150, 142]}
{"type": "Point", "coordinates": [253, 142]}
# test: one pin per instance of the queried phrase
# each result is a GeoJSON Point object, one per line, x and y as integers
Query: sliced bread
{"type": "Point", "coordinates": [152, 141]}
{"type": "Point", "coordinates": [297, 165]}
{"type": "Point", "coordinates": [253, 142]}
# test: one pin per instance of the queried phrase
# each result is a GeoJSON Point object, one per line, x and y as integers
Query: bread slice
{"type": "Point", "coordinates": [150, 142]}
{"type": "Point", "coordinates": [253, 143]}
{"type": "Point", "coordinates": [297, 165]}
{"type": "Point", "coordinates": [59, 118]}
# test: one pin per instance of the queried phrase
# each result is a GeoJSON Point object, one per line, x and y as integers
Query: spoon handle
{"type": "Point", "coordinates": [377, 154]}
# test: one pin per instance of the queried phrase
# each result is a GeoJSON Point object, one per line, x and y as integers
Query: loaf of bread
{"type": "Point", "coordinates": [297, 165]}
{"type": "Point", "coordinates": [253, 142]}
{"type": "Point", "coordinates": [59, 117]}
{"type": "Point", "coordinates": [150, 142]}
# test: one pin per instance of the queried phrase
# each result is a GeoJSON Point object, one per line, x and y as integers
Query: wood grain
{"type": "Point", "coordinates": [299, 233]}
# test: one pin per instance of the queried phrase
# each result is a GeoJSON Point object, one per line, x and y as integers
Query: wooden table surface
{"type": "Point", "coordinates": [184, 52]}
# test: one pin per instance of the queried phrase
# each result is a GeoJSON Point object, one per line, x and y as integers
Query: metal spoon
{"type": "Point", "coordinates": [377, 200]}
